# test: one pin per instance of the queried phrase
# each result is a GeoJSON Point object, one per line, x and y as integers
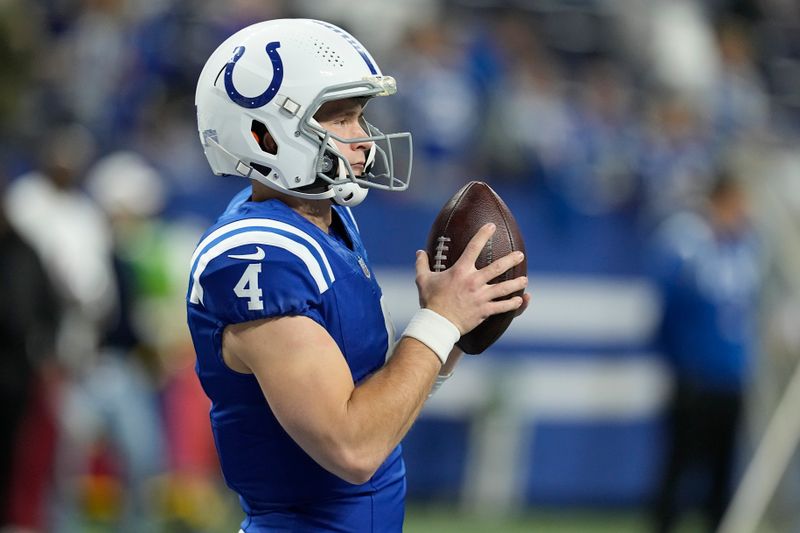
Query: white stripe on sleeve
{"type": "Point", "coordinates": [261, 223]}
{"type": "Point", "coordinates": [259, 237]}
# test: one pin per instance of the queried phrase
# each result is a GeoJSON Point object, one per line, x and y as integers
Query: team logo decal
{"type": "Point", "coordinates": [252, 102]}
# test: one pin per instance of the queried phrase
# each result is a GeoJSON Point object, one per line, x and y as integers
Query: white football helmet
{"type": "Point", "coordinates": [274, 76]}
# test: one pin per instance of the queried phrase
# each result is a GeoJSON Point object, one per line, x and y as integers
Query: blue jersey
{"type": "Point", "coordinates": [709, 285]}
{"type": "Point", "coordinates": [262, 259]}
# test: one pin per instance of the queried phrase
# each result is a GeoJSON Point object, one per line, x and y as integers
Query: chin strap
{"type": "Point", "coordinates": [349, 194]}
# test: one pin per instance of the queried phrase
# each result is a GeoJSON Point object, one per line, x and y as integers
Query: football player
{"type": "Point", "coordinates": [310, 394]}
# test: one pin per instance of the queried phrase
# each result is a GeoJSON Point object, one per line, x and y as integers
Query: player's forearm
{"type": "Point", "coordinates": [348, 430]}
{"type": "Point", "coordinates": [381, 410]}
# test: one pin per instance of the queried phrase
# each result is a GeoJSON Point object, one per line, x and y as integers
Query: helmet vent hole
{"type": "Point", "coordinates": [265, 140]}
{"type": "Point", "coordinates": [266, 171]}
{"type": "Point", "coordinates": [325, 53]}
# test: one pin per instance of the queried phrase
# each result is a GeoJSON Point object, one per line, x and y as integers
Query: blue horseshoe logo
{"type": "Point", "coordinates": [252, 102]}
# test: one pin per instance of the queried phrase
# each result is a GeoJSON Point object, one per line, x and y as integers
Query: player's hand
{"type": "Point", "coordinates": [462, 293]}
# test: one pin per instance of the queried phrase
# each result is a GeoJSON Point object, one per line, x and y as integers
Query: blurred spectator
{"type": "Point", "coordinates": [442, 109]}
{"type": "Point", "coordinates": [530, 119]}
{"type": "Point", "coordinates": [95, 50]}
{"type": "Point", "coordinates": [683, 54]}
{"type": "Point", "coordinates": [675, 158]}
{"type": "Point", "coordinates": [20, 33]}
{"type": "Point", "coordinates": [779, 56]}
{"type": "Point", "coordinates": [70, 235]}
{"type": "Point", "coordinates": [739, 106]}
{"type": "Point", "coordinates": [29, 313]}
{"type": "Point", "coordinates": [599, 171]}
{"type": "Point", "coordinates": [144, 393]}
{"type": "Point", "coordinates": [115, 446]}
{"type": "Point", "coordinates": [707, 269]}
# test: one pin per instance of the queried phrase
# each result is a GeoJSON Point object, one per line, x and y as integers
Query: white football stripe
{"type": "Point", "coordinates": [258, 237]}
{"type": "Point", "coordinates": [261, 223]}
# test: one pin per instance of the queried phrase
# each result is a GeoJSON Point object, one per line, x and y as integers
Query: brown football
{"type": "Point", "coordinates": [459, 220]}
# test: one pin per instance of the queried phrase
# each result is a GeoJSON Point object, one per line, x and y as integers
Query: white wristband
{"type": "Point", "coordinates": [434, 331]}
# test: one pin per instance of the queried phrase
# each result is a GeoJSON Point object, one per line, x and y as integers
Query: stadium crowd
{"type": "Point", "coordinates": [588, 108]}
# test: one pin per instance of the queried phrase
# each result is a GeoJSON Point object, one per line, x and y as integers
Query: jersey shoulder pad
{"type": "Point", "coordinates": [258, 268]}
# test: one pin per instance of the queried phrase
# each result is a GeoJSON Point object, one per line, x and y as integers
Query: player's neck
{"type": "Point", "coordinates": [318, 212]}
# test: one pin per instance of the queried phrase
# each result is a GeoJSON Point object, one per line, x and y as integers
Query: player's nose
{"type": "Point", "coordinates": [359, 132]}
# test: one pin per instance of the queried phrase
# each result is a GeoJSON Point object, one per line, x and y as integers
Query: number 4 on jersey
{"type": "Point", "coordinates": [247, 287]}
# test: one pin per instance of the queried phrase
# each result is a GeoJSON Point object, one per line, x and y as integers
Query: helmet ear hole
{"type": "Point", "coordinates": [264, 138]}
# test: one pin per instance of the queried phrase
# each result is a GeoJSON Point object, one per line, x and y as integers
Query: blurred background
{"type": "Point", "coordinates": [648, 148]}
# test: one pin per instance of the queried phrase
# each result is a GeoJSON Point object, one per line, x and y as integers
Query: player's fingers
{"type": "Point", "coordinates": [496, 268]}
{"type": "Point", "coordinates": [477, 243]}
{"type": "Point", "coordinates": [526, 300]}
{"type": "Point", "coordinates": [423, 271]}
{"type": "Point", "coordinates": [504, 288]}
{"type": "Point", "coordinates": [421, 263]}
{"type": "Point", "coordinates": [503, 306]}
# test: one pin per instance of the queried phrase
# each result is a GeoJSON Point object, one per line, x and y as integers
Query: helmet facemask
{"type": "Point", "coordinates": [387, 151]}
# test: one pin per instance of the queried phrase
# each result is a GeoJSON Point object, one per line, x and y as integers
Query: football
{"type": "Point", "coordinates": [458, 221]}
